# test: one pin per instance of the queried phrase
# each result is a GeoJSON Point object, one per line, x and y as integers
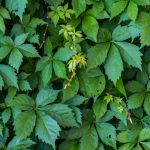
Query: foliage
{"type": "Point", "coordinates": [75, 75]}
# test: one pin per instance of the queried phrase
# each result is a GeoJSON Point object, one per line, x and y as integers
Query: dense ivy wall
{"type": "Point", "coordinates": [75, 74]}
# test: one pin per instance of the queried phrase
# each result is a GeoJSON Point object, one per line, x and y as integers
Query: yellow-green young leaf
{"type": "Point", "coordinates": [46, 74]}
{"type": "Point", "coordinates": [132, 10]}
{"type": "Point", "coordinates": [97, 55]}
{"type": "Point", "coordinates": [15, 58]}
{"type": "Point", "coordinates": [89, 141]}
{"type": "Point", "coordinates": [24, 124]}
{"type": "Point", "coordinates": [89, 23]}
{"type": "Point", "coordinates": [4, 51]}
{"type": "Point", "coordinates": [79, 6]}
{"type": "Point", "coordinates": [113, 65]}
{"type": "Point", "coordinates": [59, 69]}
{"type": "Point", "coordinates": [2, 25]}
{"type": "Point", "coordinates": [47, 128]}
{"type": "Point", "coordinates": [136, 100]}
{"type": "Point", "coordinates": [118, 7]}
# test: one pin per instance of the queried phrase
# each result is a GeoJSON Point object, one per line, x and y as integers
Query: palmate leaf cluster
{"type": "Point", "coordinates": [75, 75]}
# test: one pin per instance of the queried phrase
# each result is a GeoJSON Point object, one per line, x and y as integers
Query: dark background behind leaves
{"type": "Point", "coordinates": [74, 75]}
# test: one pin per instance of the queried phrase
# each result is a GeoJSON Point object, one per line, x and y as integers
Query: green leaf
{"type": "Point", "coordinates": [41, 63]}
{"type": "Point", "coordinates": [63, 54]}
{"type": "Point", "coordinates": [47, 128]}
{"type": "Point", "coordinates": [2, 25]}
{"type": "Point", "coordinates": [24, 85]}
{"type": "Point", "coordinates": [23, 102]}
{"type": "Point", "coordinates": [118, 7]}
{"type": "Point", "coordinates": [99, 108]}
{"type": "Point", "coordinates": [120, 87]}
{"type": "Point", "coordinates": [17, 144]}
{"type": "Point", "coordinates": [28, 50]}
{"type": "Point", "coordinates": [122, 137]}
{"type": "Point", "coordinates": [121, 33]}
{"type": "Point", "coordinates": [135, 86]}
{"type": "Point", "coordinates": [71, 90]}
{"type": "Point", "coordinates": [62, 114]}
{"type": "Point", "coordinates": [130, 54]}
{"type": "Point", "coordinates": [115, 105]}
{"type": "Point", "coordinates": [1, 82]}
{"type": "Point", "coordinates": [4, 51]}
{"type": "Point", "coordinates": [97, 55]}
{"type": "Point", "coordinates": [24, 124]}
{"type": "Point", "coordinates": [92, 83]}
{"type": "Point", "coordinates": [132, 10]}
{"type": "Point", "coordinates": [90, 140]}
{"type": "Point", "coordinates": [46, 96]}
{"type": "Point", "coordinates": [4, 13]}
{"type": "Point", "coordinates": [46, 74]}
{"type": "Point", "coordinates": [59, 69]}
{"type": "Point", "coordinates": [146, 145]}
{"type": "Point", "coordinates": [6, 114]}
{"type": "Point", "coordinates": [147, 103]}
{"type": "Point", "coordinates": [20, 39]}
{"type": "Point", "coordinates": [17, 6]}
{"type": "Point", "coordinates": [9, 76]}
{"type": "Point", "coordinates": [136, 100]}
{"type": "Point", "coordinates": [144, 134]}
{"type": "Point", "coordinates": [89, 23]}
{"type": "Point", "coordinates": [78, 6]}
{"type": "Point", "coordinates": [113, 65]}
{"type": "Point", "coordinates": [48, 47]}
{"type": "Point", "coordinates": [107, 133]}
{"type": "Point", "coordinates": [15, 58]}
